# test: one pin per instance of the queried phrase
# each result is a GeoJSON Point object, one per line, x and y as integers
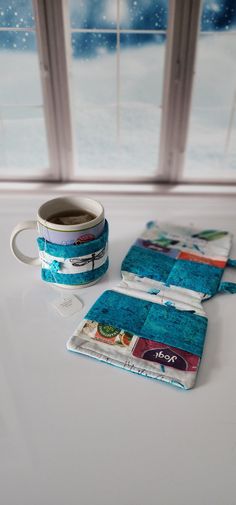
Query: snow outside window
{"type": "Point", "coordinates": [123, 82]}
{"type": "Point", "coordinates": [118, 50]}
{"type": "Point", "coordinates": [211, 148]}
{"type": "Point", "coordinates": [23, 147]}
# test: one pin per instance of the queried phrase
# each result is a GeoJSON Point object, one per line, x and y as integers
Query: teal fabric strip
{"type": "Point", "coordinates": [231, 263]}
{"type": "Point", "coordinates": [180, 329]}
{"type": "Point", "coordinates": [199, 277]}
{"type": "Point", "coordinates": [74, 279]}
{"type": "Point", "coordinates": [227, 287]}
{"type": "Point", "coordinates": [155, 265]}
{"type": "Point", "coordinates": [72, 251]}
{"type": "Point", "coordinates": [148, 263]}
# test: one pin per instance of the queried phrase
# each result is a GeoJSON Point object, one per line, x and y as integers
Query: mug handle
{"type": "Point", "coordinates": [26, 225]}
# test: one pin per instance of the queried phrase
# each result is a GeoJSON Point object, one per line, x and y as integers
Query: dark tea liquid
{"type": "Point", "coordinates": [70, 217]}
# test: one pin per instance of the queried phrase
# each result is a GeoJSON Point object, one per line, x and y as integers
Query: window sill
{"type": "Point", "coordinates": [117, 188]}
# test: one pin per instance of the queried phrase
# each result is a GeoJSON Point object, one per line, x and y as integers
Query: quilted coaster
{"type": "Point", "coordinates": [153, 323]}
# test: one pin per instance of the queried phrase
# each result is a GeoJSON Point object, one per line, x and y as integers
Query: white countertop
{"type": "Point", "coordinates": [75, 431]}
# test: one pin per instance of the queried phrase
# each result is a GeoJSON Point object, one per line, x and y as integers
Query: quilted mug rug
{"type": "Point", "coordinates": [153, 322]}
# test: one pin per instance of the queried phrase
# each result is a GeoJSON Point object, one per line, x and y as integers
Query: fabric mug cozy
{"type": "Point", "coordinates": [72, 242]}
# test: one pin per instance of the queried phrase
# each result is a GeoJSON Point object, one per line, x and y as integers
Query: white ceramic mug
{"type": "Point", "coordinates": [61, 234]}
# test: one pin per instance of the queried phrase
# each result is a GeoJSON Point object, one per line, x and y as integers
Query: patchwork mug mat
{"type": "Point", "coordinates": [153, 323]}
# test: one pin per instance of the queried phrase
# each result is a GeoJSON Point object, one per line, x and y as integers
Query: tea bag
{"type": "Point", "coordinates": [67, 305]}
{"type": "Point", "coordinates": [71, 220]}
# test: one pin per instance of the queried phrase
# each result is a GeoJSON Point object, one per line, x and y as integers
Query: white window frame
{"type": "Point", "coordinates": [53, 37]}
{"type": "Point", "coordinates": [182, 37]}
{"type": "Point", "coordinates": [52, 27]}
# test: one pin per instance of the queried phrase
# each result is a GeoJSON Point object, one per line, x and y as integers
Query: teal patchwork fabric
{"type": "Point", "coordinates": [153, 323]}
{"type": "Point", "coordinates": [195, 276]}
{"type": "Point", "coordinates": [202, 277]}
{"type": "Point", "coordinates": [147, 263]}
{"type": "Point", "coordinates": [161, 323]}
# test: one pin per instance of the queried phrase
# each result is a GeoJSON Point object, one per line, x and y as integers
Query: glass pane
{"type": "Point", "coordinates": [211, 151]}
{"type": "Point", "coordinates": [218, 15]}
{"type": "Point", "coordinates": [93, 13]}
{"type": "Point", "coordinates": [144, 14]}
{"type": "Point", "coordinates": [16, 14]}
{"type": "Point", "coordinates": [22, 139]}
{"type": "Point", "coordinates": [20, 81]}
{"type": "Point", "coordinates": [141, 73]}
{"type": "Point", "coordinates": [87, 46]}
{"type": "Point", "coordinates": [94, 77]}
{"type": "Point", "coordinates": [117, 103]}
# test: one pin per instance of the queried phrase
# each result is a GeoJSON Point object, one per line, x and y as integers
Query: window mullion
{"type": "Point", "coordinates": [177, 88]}
{"type": "Point", "coordinates": [51, 25]}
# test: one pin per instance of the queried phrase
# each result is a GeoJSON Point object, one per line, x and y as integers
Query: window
{"type": "Point", "coordinates": [211, 149]}
{"type": "Point", "coordinates": [23, 147]}
{"type": "Point", "coordinates": [102, 90]}
{"type": "Point", "coordinates": [118, 58]}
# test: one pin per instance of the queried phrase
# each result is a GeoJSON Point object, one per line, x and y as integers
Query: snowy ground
{"type": "Point", "coordinates": [135, 146]}
{"type": "Point", "coordinates": [22, 131]}
{"type": "Point", "coordinates": [100, 147]}
{"type": "Point", "coordinates": [214, 104]}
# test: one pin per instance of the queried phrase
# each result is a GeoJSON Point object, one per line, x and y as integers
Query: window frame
{"type": "Point", "coordinates": [180, 53]}
{"type": "Point", "coordinates": [182, 37]}
{"type": "Point", "coordinates": [53, 39]}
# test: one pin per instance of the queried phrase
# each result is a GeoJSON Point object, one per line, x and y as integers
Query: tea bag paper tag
{"type": "Point", "coordinates": [67, 305]}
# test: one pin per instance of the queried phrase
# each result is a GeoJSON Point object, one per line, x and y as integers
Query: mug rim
{"type": "Point", "coordinates": [76, 227]}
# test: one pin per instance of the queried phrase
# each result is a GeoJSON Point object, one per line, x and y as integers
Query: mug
{"type": "Point", "coordinates": [79, 250]}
